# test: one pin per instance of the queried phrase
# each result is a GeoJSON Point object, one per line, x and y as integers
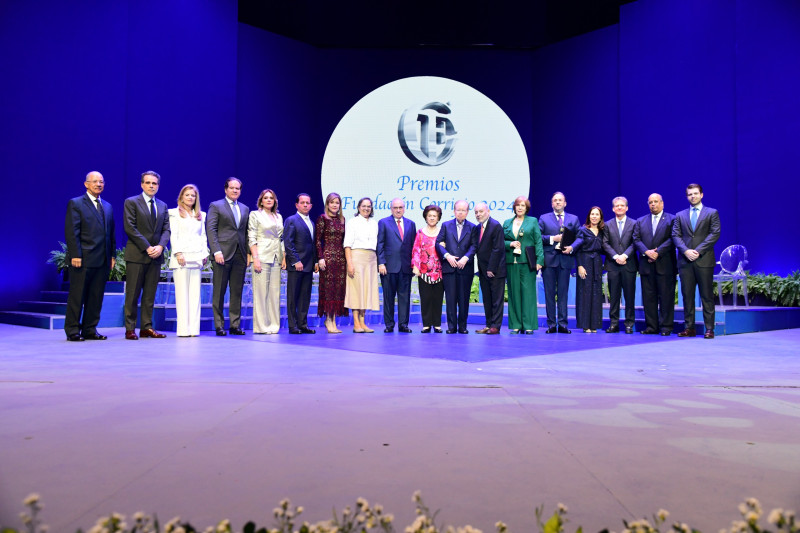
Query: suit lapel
{"type": "Point", "coordinates": [93, 207]}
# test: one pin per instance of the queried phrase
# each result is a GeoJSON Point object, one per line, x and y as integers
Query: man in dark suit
{"type": "Point", "coordinates": [456, 251]}
{"type": "Point", "coordinates": [652, 237]}
{"type": "Point", "coordinates": [89, 232]}
{"type": "Point", "coordinates": [396, 236]}
{"type": "Point", "coordinates": [147, 228]}
{"type": "Point", "coordinates": [226, 228]}
{"type": "Point", "coordinates": [301, 263]}
{"type": "Point", "coordinates": [558, 261]}
{"type": "Point", "coordinates": [490, 249]}
{"type": "Point", "coordinates": [621, 265]}
{"type": "Point", "coordinates": [694, 233]}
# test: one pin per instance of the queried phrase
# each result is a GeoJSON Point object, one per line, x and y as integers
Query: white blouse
{"type": "Point", "coordinates": [361, 233]}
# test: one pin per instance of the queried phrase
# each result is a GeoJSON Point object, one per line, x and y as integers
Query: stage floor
{"type": "Point", "coordinates": [614, 426]}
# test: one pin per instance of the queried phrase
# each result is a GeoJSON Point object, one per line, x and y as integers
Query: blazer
{"type": "Point", "coordinates": [393, 252]}
{"type": "Point", "coordinates": [187, 236]}
{"type": "Point", "coordinates": [549, 226]}
{"type": "Point", "coordinates": [298, 244]}
{"type": "Point", "coordinates": [531, 236]}
{"type": "Point", "coordinates": [223, 233]}
{"type": "Point", "coordinates": [141, 232]}
{"type": "Point", "coordinates": [88, 236]}
{"type": "Point", "coordinates": [491, 250]}
{"type": "Point", "coordinates": [616, 244]}
{"type": "Point", "coordinates": [464, 247]}
{"type": "Point", "coordinates": [644, 239]}
{"type": "Point", "coordinates": [267, 235]}
{"type": "Point", "coordinates": [702, 239]}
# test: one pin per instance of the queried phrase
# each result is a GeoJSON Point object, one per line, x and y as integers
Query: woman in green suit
{"type": "Point", "coordinates": [522, 232]}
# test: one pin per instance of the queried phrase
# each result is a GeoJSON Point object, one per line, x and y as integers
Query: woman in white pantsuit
{"type": "Point", "coordinates": [189, 254]}
{"type": "Point", "coordinates": [265, 236]}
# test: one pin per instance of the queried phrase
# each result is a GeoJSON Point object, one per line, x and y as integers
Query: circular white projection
{"type": "Point", "coordinates": [426, 140]}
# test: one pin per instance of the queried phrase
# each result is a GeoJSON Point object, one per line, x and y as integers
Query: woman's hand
{"type": "Point", "coordinates": [283, 263]}
{"type": "Point", "coordinates": [515, 244]}
{"type": "Point", "coordinates": [582, 272]}
{"type": "Point", "coordinates": [257, 265]}
{"type": "Point", "coordinates": [351, 270]}
{"type": "Point", "coordinates": [321, 264]}
{"type": "Point", "coordinates": [416, 271]}
{"type": "Point", "coordinates": [181, 260]}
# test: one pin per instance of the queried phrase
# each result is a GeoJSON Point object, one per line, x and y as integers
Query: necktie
{"type": "Point", "coordinates": [153, 212]}
{"type": "Point", "coordinates": [458, 228]}
{"type": "Point", "coordinates": [480, 238]}
{"type": "Point", "coordinates": [694, 218]}
{"type": "Point", "coordinates": [400, 227]}
{"type": "Point", "coordinates": [655, 223]}
{"type": "Point", "coordinates": [101, 211]}
{"type": "Point", "coordinates": [560, 221]}
{"type": "Point", "coordinates": [619, 224]}
{"type": "Point", "coordinates": [236, 215]}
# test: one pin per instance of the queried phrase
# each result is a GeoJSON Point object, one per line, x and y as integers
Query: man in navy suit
{"type": "Point", "coordinates": [89, 233]}
{"type": "Point", "coordinates": [147, 228]}
{"type": "Point", "coordinates": [490, 249]}
{"type": "Point", "coordinates": [558, 262]}
{"type": "Point", "coordinates": [694, 233]}
{"type": "Point", "coordinates": [456, 251]}
{"type": "Point", "coordinates": [226, 228]}
{"type": "Point", "coordinates": [301, 263]}
{"type": "Point", "coordinates": [621, 265]}
{"type": "Point", "coordinates": [652, 237]}
{"type": "Point", "coordinates": [396, 236]}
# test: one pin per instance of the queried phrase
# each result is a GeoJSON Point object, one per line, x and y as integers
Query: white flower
{"type": "Point", "coordinates": [299, 509]}
{"type": "Point", "coordinates": [277, 512]}
{"type": "Point", "coordinates": [751, 517]}
{"type": "Point", "coordinates": [223, 526]}
{"type": "Point", "coordinates": [662, 514]}
{"type": "Point", "coordinates": [387, 518]}
{"type": "Point", "coordinates": [31, 499]}
{"type": "Point", "coordinates": [378, 508]}
{"type": "Point", "coordinates": [361, 502]}
{"type": "Point", "coordinates": [562, 509]}
{"type": "Point", "coordinates": [138, 516]}
{"type": "Point", "coordinates": [500, 526]}
{"type": "Point", "coordinates": [417, 496]}
{"type": "Point", "coordinates": [285, 503]}
{"type": "Point", "coordinates": [775, 516]}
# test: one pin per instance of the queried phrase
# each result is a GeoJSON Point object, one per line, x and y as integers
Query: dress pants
{"type": "Point", "coordinates": [187, 301]}
{"type": "Point", "coordinates": [621, 282]}
{"type": "Point", "coordinates": [589, 296]}
{"type": "Point", "coordinates": [430, 303]}
{"type": "Point", "coordinates": [86, 290]}
{"type": "Point", "coordinates": [522, 312]}
{"type": "Point", "coordinates": [556, 285]}
{"type": "Point", "coordinates": [298, 298]}
{"type": "Point", "coordinates": [493, 291]}
{"type": "Point", "coordinates": [658, 300]}
{"type": "Point", "coordinates": [693, 276]}
{"type": "Point", "coordinates": [399, 285]}
{"type": "Point", "coordinates": [457, 288]}
{"type": "Point", "coordinates": [231, 272]}
{"type": "Point", "coordinates": [140, 279]}
{"type": "Point", "coordinates": [267, 298]}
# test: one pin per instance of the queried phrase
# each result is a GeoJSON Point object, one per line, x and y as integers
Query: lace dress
{"type": "Point", "coordinates": [329, 236]}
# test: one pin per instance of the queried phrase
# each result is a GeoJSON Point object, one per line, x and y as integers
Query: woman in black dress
{"type": "Point", "coordinates": [589, 246]}
{"type": "Point", "coordinates": [329, 236]}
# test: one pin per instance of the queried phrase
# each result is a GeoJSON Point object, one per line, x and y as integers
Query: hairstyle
{"type": "Point", "coordinates": [371, 206]}
{"type": "Point", "coordinates": [183, 212]}
{"type": "Point", "coordinates": [297, 199]}
{"type": "Point", "coordinates": [229, 180]}
{"type": "Point", "coordinates": [151, 173]}
{"type": "Point", "coordinates": [522, 199]}
{"type": "Point", "coordinates": [432, 208]}
{"type": "Point", "coordinates": [274, 197]}
{"type": "Point", "coordinates": [695, 186]}
{"type": "Point", "coordinates": [601, 224]}
{"type": "Point", "coordinates": [618, 199]}
{"type": "Point", "coordinates": [328, 199]}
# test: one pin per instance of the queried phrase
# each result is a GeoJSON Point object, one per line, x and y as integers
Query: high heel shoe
{"type": "Point", "coordinates": [426, 330]}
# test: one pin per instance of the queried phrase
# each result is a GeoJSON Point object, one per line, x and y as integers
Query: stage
{"type": "Point", "coordinates": [488, 427]}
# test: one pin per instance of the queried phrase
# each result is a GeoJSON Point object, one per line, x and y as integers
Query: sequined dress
{"type": "Point", "coordinates": [329, 236]}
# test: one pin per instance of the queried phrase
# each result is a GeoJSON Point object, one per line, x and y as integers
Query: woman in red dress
{"type": "Point", "coordinates": [429, 269]}
{"type": "Point", "coordinates": [329, 236]}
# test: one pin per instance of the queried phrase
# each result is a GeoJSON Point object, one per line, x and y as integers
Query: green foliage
{"type": "Point", "coordinates": [59, 259]}
{"type": "Point", "coordinates": [475, 291]}
{"type": "Point", "coordinates": [785, 292]}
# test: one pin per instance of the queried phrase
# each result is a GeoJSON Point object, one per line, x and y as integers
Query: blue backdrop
{"type": "Point", "coordinates": [678, 91]}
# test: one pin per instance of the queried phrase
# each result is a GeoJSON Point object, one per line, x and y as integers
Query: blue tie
{"type": "Point", "coordinates": [694, 218]}
{"type": "Point", "coordinates": [619, 223]}
{"type": "Point", "coordinates": [235, 213]}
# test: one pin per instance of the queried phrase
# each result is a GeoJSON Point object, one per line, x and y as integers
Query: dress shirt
{"type": "Point", "coordinates": [620, 229]}
{"type": "Point", "coordinates": [147, 201]}
{"type": "Point", "coordinates": [237, 214]}
{"type": "Point", "coordinates": [361, 233]}
{"type": "Point", "coordinates": [459, 228]}
{"type": "Point", "coordinates": [307, 220]}
{"type": "Point", "coordinates": [654, 221]}
{"type": "Point", "coordinates": [562, 215]}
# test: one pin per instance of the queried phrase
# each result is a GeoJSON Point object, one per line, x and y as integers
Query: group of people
{"type": "Point", "coordinates": [353, 255]}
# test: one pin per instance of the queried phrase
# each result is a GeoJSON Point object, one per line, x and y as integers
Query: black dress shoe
{"type": "Point", "coordinates": [552, 330]}
{"type": "Point", "coordinates": [451, 331]}
{"type": "Point", "coordinates": [612, 329]}
{"type": "Point", "coordinates": [387, 329]}
{"type": "Point", "coordinates": [404, 329]}
{"type": "Point", "coordinates": [236, 331]}
{"type": "Point", "coordinates": [426, 330]}
{"type": "Point", "coordinates": [221, 332]}
{"type": "Point", "coordinates": [529, 332]}
{"type": "Point", "coordinates": [629, 330]}
{"type": "Point", "coordinates": [95, 337]}
{"type": "Point", "coordinates": [437, 330]}
{"type": "Point", "coordinates": [464, 331]}
{"type": "Point", "coordinates": [648, 331]}
{"type": "Point", "coordinates": [307, 330]}
{"type": "Point", "coordinates": [666, 333]}
{"type": "Point", "coordinates": [294, 331]}
{"type": "Point", "coordinates": [75, 337]}
{"type": "Point", "coordinates": [562, 329]}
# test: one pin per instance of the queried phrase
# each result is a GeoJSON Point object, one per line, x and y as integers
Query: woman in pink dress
{"type": "Point", "coordinates": [428, 268]}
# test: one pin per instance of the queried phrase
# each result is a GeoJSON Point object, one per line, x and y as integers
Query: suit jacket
{"type": "Point", "coordinates": [491, 250]}
{"type": "Point", "coordinates": [616, 244]}
{"type": "Point", "coordinates": [549, 226]}
{"type": "Point", "coordinates": [267, 235]}
{"type": "Point", "coordinates": [298, 244]}
{"type": "Point", "coordinates": [465, 247]}
{"type": "Point", "coordinates": [393, 252]}
{"type": "Point", "coordinates": [88, 236]}
{"type": "Point", "coordinates": [223, 233]}
{"type": "Point", "coordinates": [702, 239]}
{"type": "Point", "coordinates": [141, 232]}
{"type": "Point", "coordinates": [644, 239]}
{"type": "Point", "coordinates": [531, 236]}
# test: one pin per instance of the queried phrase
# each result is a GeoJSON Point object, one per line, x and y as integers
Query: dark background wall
{"type": "Point", "coordinates": [678, 91]}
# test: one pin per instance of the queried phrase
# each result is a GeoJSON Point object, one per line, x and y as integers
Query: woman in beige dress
{"type": "Point", "coordinates": [265, 235]}
{"type": "Point", "coordinates": [360, 242]}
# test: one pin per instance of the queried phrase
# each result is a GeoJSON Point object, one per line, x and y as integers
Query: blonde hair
{"type": "Point", "coordinates": [328, 214]}
{"type": "Point", "coordinates": [196, 207]}
{"type": "Point", "coordinates": [274, 197]}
